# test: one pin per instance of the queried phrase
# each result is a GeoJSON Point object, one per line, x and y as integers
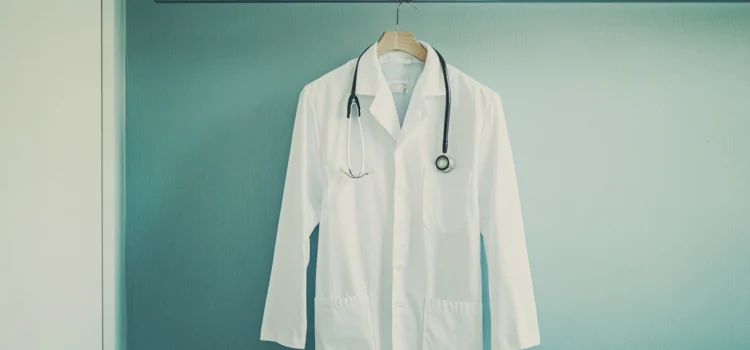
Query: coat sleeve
{"type": "Point", "coordinates": [513, 312]}
{"type": "Point", "coordinates": [285, 315]}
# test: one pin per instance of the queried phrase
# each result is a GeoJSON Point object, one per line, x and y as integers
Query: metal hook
{"type": "Point", "coordinates": [399, 5]}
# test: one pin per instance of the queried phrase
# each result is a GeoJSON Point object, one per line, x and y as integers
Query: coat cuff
{"type": "Point", "coordinates": [289, 342]}
{"type": "Point", "coordinates": [520, 344]}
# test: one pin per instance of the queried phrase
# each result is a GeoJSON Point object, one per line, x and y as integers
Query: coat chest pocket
{"type": "Point", "coordinates": [445, 198]}
{"type": "Point", "coordinates": [344, 197]}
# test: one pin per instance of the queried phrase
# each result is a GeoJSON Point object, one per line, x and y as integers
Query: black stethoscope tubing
{"type": "Point", "coordinates": [443, 162]}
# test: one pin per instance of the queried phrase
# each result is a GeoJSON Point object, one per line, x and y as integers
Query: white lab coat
{"type": "Point", "coordinates": [399, 250]}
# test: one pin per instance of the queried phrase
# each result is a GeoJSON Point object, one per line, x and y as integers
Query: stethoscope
{"type": "Point", "coordinates": [443, 162]}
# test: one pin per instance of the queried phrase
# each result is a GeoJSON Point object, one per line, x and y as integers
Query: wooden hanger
{"type": "Point", "coordinates": [401, 40]}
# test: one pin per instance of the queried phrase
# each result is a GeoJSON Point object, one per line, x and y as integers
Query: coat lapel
{"type": "Point", "coordinates": [371, 81]}
{"type": "Point", "coordinates": [429, 87]}
{"type": "Point", "coordinates": [383, 109]}
{"type": "Point", "coordinates": [430, 84]}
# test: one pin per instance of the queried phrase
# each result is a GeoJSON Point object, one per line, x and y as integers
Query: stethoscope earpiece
{"type": "Point", "coordinates": [444, 163]}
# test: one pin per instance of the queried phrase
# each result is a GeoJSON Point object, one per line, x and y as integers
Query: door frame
{"type": "Point", "coordinates": [112, 172]}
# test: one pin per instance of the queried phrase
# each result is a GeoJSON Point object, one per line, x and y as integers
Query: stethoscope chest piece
{"type": "Point", "coordinates": [444, 163]}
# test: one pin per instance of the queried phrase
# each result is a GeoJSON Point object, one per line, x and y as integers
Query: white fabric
{"type": "Point", "coordinates": [399, 70]}
{"type": "Point", "coordinates": [399, 250]}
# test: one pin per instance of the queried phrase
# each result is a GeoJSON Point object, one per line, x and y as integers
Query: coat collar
{"type": "Point", "coordinates": [372, 82]}
{"type": "Point", "coordinates": [371, 79]}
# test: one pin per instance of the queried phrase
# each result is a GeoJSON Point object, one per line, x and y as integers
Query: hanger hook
{"type": "Point", "coordinates": [399, 5]}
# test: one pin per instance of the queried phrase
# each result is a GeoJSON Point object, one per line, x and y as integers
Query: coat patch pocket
{"type": "Point", "coordinates": [452, 325]}
{"type": "Point", "coordinates": [346, 200]}
{"type": "Point", "coordinates": [344, 324]}
{"type": "Point", "coordinates": [445, 199]}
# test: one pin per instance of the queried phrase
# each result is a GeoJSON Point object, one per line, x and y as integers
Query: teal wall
{"type": "Point", "coordinates": [630, 126]}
